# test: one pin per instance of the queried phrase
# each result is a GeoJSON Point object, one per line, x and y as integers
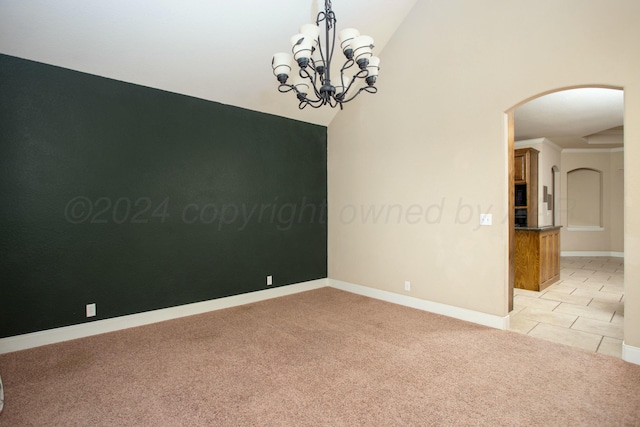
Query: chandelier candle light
{"type": "Point", "coordinates": [312, 84]}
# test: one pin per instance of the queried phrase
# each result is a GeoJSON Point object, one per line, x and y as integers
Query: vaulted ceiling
{"type": "Point", "coordinates": [221, 51]}
{"type": "Point", "coordinates": [215, 50]}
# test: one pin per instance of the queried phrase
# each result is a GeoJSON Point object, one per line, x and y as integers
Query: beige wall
{"type": "Point", "coordinates": [548, 158]}
{"type": "Point", "coordinates": [616, 197]}
{"type": "Point", "coordinates": [610, 237]}
{"type": "Point", "coordinates": [433, 142]}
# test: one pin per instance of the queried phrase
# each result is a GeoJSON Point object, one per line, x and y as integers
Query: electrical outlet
{"type": "Point", "coordinates": [269, 280]}
{"type": "Point", "coordinates": [91, 310]}
{"type": "Point", "coordinates": [407, 286]}
{"type": "Point", "coordinates": [486, 219]}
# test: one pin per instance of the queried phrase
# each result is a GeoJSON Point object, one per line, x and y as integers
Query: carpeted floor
{"type": "Point", "coordinates": [318, 358]}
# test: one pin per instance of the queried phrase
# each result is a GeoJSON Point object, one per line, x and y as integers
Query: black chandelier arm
{"type": "Point", "coordinates": [319, 102]}
{"type": "Point", "coordinates": [326, 15]}
{"type": "Point", "coordinates": [323, 16]}
{"type": "Point", "coordinates": [369, 89]}
{"type": "Point", "coordinates": [362, 74]}
{"type": "Point", "coordinates": [324, 56]}
{"type": "Point", "coordinates": [312, 66]}
{"type": "Point", "coordinates": [284, 88]}
{"type": "Point", "coordinates": [348, 64]}
{"type": "Point", "coordinates": [304, 73]}
{"type": "Point", "coordinates": [315, 103]}
{"type": "Point", "coordinates": [303, 103]}
{"type": "Point", "coordinates": [306, 102]}
{"type": "Point", "coordinates": [330, 48]}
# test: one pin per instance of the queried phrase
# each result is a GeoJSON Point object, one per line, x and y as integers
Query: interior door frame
{"type": "Point", "coordinates": [511, 178]}
{"type": "Point", "coordinates": [511, 216]}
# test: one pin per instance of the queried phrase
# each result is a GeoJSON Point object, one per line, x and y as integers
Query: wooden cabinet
{"type": "Point", "coordinates": [526, 187]}
{"type": "Point", "coordinates": [520, 167]}
{"type": "Point", "coordinates": [537, 257]}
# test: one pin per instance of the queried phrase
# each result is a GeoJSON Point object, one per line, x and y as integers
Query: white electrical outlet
{"type": "Point", "coordinates": [407, 286]}
{"type": "Point", "coordinates": [269, 280]}
{"type": "Point", "coordinates": [91, 310]}
{"type": "Point", "coordinates": [486, 219]}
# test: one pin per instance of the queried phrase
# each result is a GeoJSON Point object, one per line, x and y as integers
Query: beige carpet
{"type": "Point", "coordinates": [319, 358]}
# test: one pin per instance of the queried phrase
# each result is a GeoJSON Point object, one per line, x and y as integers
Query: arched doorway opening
{"type": "Point", "coordinates": [575, 128]}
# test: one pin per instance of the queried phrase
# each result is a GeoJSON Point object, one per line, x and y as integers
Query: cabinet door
{"type": "Point", "coordinates": [546, 253]}
{"type": "Point", "coordinates": [520, 167]}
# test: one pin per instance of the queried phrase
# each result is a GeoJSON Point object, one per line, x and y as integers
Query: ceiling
{"type": "Point", "coordinates": [575, 118]}
{"type": "Point", "coordinates": [215, 50]}
{"type": "Point", "coordinates": [221, 51]}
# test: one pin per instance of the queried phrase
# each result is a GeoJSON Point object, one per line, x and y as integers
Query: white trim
{"type": "Point", "coordinates": [593, 150]}
{"type": "Point", "coordinates": [630, 353]}
{"type": "Point", "coordinates": [585, 228]}
{"type": "Point", "coordinates": [485, 319]}
{"type": "Point", "coordinates": [527, 143]}
{"type": "Point", "coordinates": [593, 253]}
{"type": "Point", "coordinates": [532, 143]}
{"type": "Point", "coordinates": [51, 336]}
{"type": "Point", "coordinates": [553, 145]}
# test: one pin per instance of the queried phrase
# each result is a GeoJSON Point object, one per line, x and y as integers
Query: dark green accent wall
{"type": "Point", "coordinates": [138, 199]}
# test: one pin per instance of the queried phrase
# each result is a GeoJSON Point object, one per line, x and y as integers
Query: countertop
{"type": "Point", "coordinates": [543, 228]}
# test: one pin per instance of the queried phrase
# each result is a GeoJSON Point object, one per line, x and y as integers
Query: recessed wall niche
{"type": "Point", "coordinates": [584, 198]}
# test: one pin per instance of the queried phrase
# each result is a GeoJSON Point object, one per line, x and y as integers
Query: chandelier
{"type": "Point", "coordinates": [313, 53]}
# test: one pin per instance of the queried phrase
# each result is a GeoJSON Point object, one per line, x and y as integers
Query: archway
{"type": "Point", "coordinates": [552, 200]}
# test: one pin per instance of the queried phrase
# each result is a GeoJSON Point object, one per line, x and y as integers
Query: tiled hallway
{"type": "Point", "coordinates": [584, 309]}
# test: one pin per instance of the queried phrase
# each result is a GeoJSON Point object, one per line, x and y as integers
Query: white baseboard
{"type": "Point", "coordinates": [425, 305]}
{"type": "Point", "coordinates": [593, 253]}
{"type": "Point", "coordinates": [51, 336]}
{"type": "Point", "coordinates": [630, 353]}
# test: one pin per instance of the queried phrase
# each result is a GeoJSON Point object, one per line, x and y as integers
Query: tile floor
{"type": "Point", "coordinates": [584, 309]}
